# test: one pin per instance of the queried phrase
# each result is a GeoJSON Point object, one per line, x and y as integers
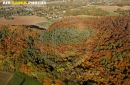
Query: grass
{"type": "Point", "coordinates": [112, 14]}
{"type": "Point", "coordinates": [45, 24]}
{"type": "Point", "coordinates": [31, 81]}
{"type": "Point", "coordinates": [22, 79]}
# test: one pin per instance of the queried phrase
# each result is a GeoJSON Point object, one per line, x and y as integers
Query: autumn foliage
{"type": "Point", "coordinates": [72, 51]}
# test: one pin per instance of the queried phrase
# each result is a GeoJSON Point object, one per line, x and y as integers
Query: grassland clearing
{"type": "Point", "coordinates": [44, 24]}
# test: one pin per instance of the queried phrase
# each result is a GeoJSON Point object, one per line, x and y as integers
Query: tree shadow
{"type": "Point", "coordinates": [36, 27]}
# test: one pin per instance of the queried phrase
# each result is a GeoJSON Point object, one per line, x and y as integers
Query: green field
{"type": "Point", "coordinates": [22, 79]}
{"type": "Point", "coordinates": [45, 24]}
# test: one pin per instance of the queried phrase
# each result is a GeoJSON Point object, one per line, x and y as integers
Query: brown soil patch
{"type": "Point", "coordinates": [23, 20]}
{"type": "Point", "coordinates": [113, 8]}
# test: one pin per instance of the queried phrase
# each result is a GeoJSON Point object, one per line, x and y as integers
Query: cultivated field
{"type": "Point", "coordinates": [54, 2]}
{"type": "Point", "coordinates": [113, 8]}
{"type": "Point", "coordinates": [23, 20]}
{"type": "Point", "coordinates": [87, 16]}
{"type": "Point", "coordinates": [21, 79]}
{"type": "Point", "coordinates": [5, 77]}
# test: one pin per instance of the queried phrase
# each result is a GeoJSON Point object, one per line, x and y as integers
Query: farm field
{"type": "Point", "coordinates": [113, 8]}
{"type": "Point", "coordinates": [22, 79]}
{"type": "Point", "coordinates": [87, 16]}
{"type": "Point", "coordinates": [54, 2]}
{"type": "Point", "coordinates": [23, 20]}
{"type": "Point", "coordinates": [5, 77]}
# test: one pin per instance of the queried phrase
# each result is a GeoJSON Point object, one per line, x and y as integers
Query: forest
{"type": "Point", "coordinates": [72, 51]}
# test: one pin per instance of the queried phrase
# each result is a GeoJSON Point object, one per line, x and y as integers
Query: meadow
{"type": "Point", "coordinates": [22, 79]}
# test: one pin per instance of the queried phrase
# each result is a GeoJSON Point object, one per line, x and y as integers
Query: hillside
{"type": "Point", "coordinates": [72, 51]}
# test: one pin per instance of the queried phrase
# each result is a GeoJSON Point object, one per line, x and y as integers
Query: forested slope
{"type": "Point", "coordinates": [72, 51]}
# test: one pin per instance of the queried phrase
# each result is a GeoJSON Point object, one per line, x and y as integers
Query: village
{"type": "Point", "coordinates": [7, 11]}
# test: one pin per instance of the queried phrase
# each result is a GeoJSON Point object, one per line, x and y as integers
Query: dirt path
{"type": "Point", "coordinates": [5, 77]}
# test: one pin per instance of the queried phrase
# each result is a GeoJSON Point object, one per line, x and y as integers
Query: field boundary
{"type": "Point", "coordinates": [5, 78]}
